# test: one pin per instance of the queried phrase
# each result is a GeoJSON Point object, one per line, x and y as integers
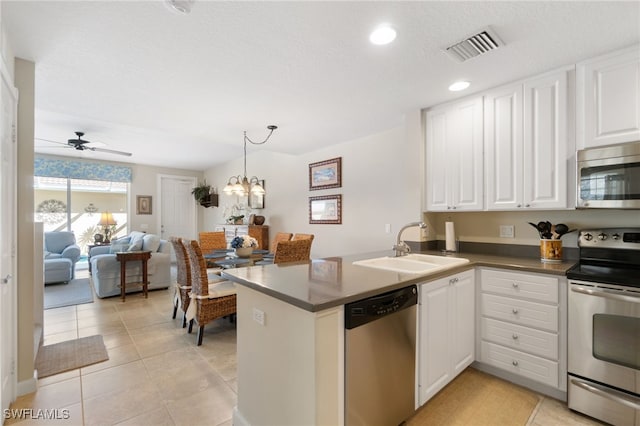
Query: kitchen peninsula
{"type": "Point", "coordinates": [290, 332]}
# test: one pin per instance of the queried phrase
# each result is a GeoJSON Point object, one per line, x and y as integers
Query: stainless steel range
{"type": "Point", "coordinates": [604, 326]}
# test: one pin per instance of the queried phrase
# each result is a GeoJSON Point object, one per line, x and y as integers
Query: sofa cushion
{"type": "Point", "coordinates": [151, 242]}
{"type": "Point", "coordinates": [122, 240]}
{"type": "Point", "coordinates": [117, 248]}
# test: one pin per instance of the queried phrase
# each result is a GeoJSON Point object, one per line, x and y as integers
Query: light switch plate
{"type": "Point", "coordinates": [258, 316]}
{"type": "Point", "coordinates": [506, 231]}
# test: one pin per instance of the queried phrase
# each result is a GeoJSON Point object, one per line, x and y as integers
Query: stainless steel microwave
{"type": "Point", "coordinates": [609, 177]}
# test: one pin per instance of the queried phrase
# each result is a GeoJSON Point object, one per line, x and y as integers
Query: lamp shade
{"type": "Point", "coordinates": [106, 219]}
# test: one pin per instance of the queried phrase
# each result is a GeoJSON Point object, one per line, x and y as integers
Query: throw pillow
{"type": "Point", "coordinates": [151, 242]}
{"type": "Point", "coordinates": [122, 240]}
{"type": "Point", "coordinates": [118, 248]}
{"type": "Point", "coordinates": [136, 245]}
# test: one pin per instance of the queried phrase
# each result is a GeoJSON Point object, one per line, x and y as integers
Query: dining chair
{"type": "Point", "coordinates": [292, 251]}
{"type": "Point", "coordinates": [183, 278]}
{"type": "Point", "coordinates": [303, 237]}
{"type": "Point", "coordinates": [280, 236]}
{"type": "Point", "coordinates": [212, 240]}
{"type": "Point", "coordinates": [208, 302]}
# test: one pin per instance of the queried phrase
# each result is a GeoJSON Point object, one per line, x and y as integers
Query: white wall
{"type": "Point", "coordinates": [380, 185]}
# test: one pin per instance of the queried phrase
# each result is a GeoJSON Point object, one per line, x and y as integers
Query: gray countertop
{"type": "Point", "coordinates": [333, 281]}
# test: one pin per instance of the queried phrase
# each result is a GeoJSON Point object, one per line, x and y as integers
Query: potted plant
{"type": "Point", "coordinates": [236, 220]}
{"type": "Point", "coordinates": [244, 245]}
{"type": "Point", "coordinates": [202, 194]}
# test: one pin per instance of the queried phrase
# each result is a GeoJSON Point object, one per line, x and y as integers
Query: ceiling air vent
{"type": "Point", "coordinates": [478, 44]}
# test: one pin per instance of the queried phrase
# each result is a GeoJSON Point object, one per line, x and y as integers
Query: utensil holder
{"type": "Point", "coordinates": [550, 250]}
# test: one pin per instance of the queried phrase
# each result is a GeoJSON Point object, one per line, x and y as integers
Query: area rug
{"type": "Point", "coordinates": [75, 292]}
{"type": "Point", "coordinates": [476, 398]}
{"type": "Point", "coordinates": [69, 355]}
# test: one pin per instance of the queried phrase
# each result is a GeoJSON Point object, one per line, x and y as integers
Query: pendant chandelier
{"type": "Point", "coordinates": [240, 185]}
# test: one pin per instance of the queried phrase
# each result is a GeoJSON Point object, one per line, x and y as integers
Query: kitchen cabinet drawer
{"type": "Point", "coordinates": [536, 342]}
{"type": "Point", "coordinates": [522, 312]}
{"type": "Point", "coordinates": [532, 367]}
{"type": "Point", "coordinates": [513, 284]}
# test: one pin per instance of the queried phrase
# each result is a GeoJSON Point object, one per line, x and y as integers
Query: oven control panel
{"type": "Point", "coordinates": [619, 238]}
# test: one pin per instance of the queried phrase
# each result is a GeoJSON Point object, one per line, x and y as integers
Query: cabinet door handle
{"type": "Point", "coordinates": [527, 205]}
{"type": "Point", "coordinates": [515, 363]}
{"type": "Point", "coordinates": [514, 310]}
{"type": "Point", "coordinates": [514, 337]}
{"type": "Point", "coordinates": [515, 285]}
{"type": "Point", "coordinates": [6, 279]}
{"type": "Point", "coordinates": [519, 205]}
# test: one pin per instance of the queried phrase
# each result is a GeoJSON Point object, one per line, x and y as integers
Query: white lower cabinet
{"type": "Point", "coordinates": [447, 331]}
{"type": "Point", "coordinates": [521, 325]}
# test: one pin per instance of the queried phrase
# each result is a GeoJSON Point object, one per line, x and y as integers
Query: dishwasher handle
{"type": "Point", "coordinates": [370, 309]}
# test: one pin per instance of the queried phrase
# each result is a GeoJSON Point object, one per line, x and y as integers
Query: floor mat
{"type": "Point", "coordinates": [476, 398]}
{"type": "Point", "coordinates": [69, 355]}
{"type": "Point", "coordinates": [75, 292]}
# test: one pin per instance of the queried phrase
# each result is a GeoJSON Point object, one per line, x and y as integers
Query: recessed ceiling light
{"type": "Point", "coordinates": [459, 85]}
{"type": "Point", "coordinates": [180, 6]}
{"type": "Point", "coordinates": [384, 34]}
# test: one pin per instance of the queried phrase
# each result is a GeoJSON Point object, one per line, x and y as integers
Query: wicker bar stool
{"type": "Point", "coordinates": [292, 251]}
{"type": "Point", "coordinates": [280, 236]}
{"type": "Point", "coordinates": [208, 302]}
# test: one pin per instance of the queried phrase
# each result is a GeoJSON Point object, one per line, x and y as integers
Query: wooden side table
{"type": "Point", "coordinates": [130, 256]}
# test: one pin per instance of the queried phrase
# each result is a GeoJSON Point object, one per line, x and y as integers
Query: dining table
{"type": "Point", "coordinates": [227, 258]}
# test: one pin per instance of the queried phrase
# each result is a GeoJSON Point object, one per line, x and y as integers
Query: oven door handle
{"type": "Point", "coordinates": [608, 294]}
{"type": "Point", "coordinates": [616, 396]}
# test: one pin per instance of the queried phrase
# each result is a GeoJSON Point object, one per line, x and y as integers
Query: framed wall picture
{"type": "Point", "coordinates": [143, 204]}
{"type": "Point", "coordinates": [325, 174]}
{"type": "Point", "coordinates": [326, 209]}
{"type": "Point", "coordinates": [256, 201]}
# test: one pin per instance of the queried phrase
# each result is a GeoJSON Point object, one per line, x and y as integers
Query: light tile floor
{"type": "Point", "coordinates": [156, 375]}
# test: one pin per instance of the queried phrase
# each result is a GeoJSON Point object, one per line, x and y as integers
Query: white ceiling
{"type": "Point", "coordinates": [179, 90]}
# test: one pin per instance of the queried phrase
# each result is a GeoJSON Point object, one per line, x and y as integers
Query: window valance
{"type": "Point", "coordinates": [76, 169]}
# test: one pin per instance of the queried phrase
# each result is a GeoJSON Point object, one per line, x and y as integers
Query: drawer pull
{"type": "Point", "coordinates": [514, 337]}
{"type": "Point", "coordinates": [515, 363]}
{"type": "Point", "coordinates": [515, 311]}
{"type": "Point", "coordinates": [515, 285]}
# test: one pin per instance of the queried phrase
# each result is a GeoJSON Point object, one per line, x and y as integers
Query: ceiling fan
{"type": "Point", "coordinates": [81, 145]}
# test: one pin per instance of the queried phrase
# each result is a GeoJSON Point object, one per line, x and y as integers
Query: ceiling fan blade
{"type": "Point", "coordinates": [111, 151]}
{"type": "Point", "coordinates": [49, 140]}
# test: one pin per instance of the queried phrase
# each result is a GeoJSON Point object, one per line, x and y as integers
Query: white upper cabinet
{"type": "Point", "coordinates": [454, 146]}
{"type": "Point", "coordinates": [608, 99]}
{"type": "Point", "coordinates": [527, 144]}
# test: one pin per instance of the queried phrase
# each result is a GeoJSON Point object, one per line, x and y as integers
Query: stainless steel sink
{"type": "Point", "coordinates": [418, 264]}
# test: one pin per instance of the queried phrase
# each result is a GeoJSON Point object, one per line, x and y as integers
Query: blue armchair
{"type": "Point", "coordinates": [60, 256]}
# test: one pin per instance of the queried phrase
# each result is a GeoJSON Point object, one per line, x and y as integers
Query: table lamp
{"type": "Point", "coordinates": [108, 223]}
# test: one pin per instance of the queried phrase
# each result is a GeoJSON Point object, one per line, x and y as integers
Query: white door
{"type": "Point", "coordinates": [178, 214]}
{"type": "Point", "coordinates": [8, 321]}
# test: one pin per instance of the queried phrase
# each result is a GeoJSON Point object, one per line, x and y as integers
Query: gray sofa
{"type": "Point", "coordinates": [61, 253]}
{"type": "Point", "coordinates": [105, 268]}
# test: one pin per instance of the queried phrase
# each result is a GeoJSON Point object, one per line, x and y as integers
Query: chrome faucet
{"type": "Point", "coordinates": [401, 248]}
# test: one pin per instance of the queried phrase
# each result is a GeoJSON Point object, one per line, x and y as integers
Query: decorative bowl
{"type": "Point", "coordinates": [258, 220]}
{"type": "Point", "coordinates": [244, 251]}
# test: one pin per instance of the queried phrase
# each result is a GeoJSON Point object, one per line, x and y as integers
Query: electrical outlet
{"type": "Point", "coordinates": [387, 228]}
{"type": "Point", "coordinates": [506, 231]}
{"type": "Point", "coordinates": [258, 316]}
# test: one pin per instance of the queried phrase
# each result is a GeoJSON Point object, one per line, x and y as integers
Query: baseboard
{"type": "Point", "coordinates": [28, 386]}
{"type": "Point", "coordinates": [521, 381]}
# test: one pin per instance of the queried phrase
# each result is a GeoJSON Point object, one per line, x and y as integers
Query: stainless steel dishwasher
{"type": "Point", "coordinates": [380, 352]}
